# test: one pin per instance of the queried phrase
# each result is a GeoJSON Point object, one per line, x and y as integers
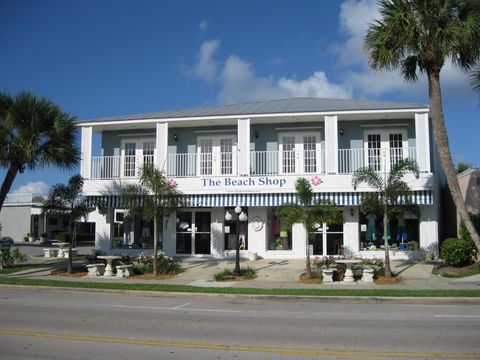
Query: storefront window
{"type": "Point", "coordinates": [402, 232]}
{"type": "Point", "coordinates": [231, 231]}
{"type": "Point", "coordinates": [278, 236]}
{"type": "Point", "coordinates": [132, 232]}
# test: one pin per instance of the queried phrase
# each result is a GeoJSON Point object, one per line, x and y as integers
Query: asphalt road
{"type": "Point", "coordinates": [44, 324]}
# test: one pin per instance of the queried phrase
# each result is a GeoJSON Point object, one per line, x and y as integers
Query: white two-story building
{"type": "Point", "coordinates": [250, 155]}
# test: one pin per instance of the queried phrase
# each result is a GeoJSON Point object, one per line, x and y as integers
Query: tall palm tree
{"type": "Point", "coordinates": [392, 196]}
{"type": "Point", "coordinates": [67, 200]}
{"type": "Point", "coordinates": [34, 133]}
{"type": "Point", "coordinates": [308, 213]}
{"type": "Point", "coordinates": [152, 198]}
{"type": "Point", "coordinates": [421, 35]}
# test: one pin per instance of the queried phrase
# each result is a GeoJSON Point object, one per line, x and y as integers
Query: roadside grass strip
{"type": "Point", "coordinates": [243, 291]}
{"type": "Point", "coordinates": [278, 350]}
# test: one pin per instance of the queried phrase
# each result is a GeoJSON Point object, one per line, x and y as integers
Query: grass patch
{"type": "Point", "coordinates": [456, 272]}
{"type": "Point", "coordinates": [244, 291]}
{"type": "Point", "coordinates": [21, 267]}
{"type": "Point", "coordinates": [246, 273]}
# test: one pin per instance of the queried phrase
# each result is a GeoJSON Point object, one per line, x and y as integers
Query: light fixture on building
{"type": "Point", "coordinates": [256, 134]}
{"type": "Point", "coordinates": [240, 216]}
{"type": "Point", "coordinates": [341, 131]}
{"type": "Point", "coordinates": [352, 212]}
{"type": "Point", "coordinates": [175, 137]}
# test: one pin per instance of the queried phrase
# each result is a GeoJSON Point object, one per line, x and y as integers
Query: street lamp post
{"type": "Point", "coordinates": [241, 216]}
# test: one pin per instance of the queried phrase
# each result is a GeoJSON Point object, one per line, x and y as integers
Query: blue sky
{"type": "Point", "coordinates": [102, 58]}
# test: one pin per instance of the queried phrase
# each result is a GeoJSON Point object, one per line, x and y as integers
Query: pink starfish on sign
{"type": "Point", "coordinates": [316, 181]}
{"type": "Point", "coordinates": [172, 183]}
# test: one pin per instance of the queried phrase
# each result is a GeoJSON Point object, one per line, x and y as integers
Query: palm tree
{"type": "Point", "coordinates": [308, 213]}
{"type": "Point", "coordinates": [392, 196]}
{"type": "Point", "coordinates": [152, 198]}
{"type": "Point", "coordinates": [421, 35]}
{"type": "Point", "coordinates": [67, 200]}
{"type": "Point", "coordinates": [34, 133]}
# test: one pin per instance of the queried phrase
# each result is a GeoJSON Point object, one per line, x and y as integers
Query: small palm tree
{"type": "Point", "coordinates": [421, 35]}
{"type": "Point", "coordinates": [308, 213]}
{"type": "Point", "coordinates": [392, 196]}
{"type": "Point", "coordinates": [152, 198]}
{"type": "Point", "coordinates": [34, 133]}
{"type": "Point", "coordinates": [68, 200]}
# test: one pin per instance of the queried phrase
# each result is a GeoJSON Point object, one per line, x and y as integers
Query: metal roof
{"type": "Point", "coordinates": [292, 105]}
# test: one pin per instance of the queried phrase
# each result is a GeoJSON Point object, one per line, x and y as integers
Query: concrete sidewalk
{"type": "Point", "coordinates": [277, 274]}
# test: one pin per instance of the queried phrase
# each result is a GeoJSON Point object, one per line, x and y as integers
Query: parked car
{"type": "Point", "coordinates": [6, 241]}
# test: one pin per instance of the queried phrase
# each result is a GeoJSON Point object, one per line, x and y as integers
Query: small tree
{"type": "Point", "coordinates": [393, 195]}
{"type": "Point", "coordinates": [152, 198]}
{"type": "Point", "coordinates": [308, 213]}
{"type": "Point", "coordinates": [68, 200]}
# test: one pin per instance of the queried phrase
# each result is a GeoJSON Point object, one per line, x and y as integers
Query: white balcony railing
{"type": "Point", "coordinates": [287, 162]}
{"type": "Point", "coordinates": [262, 163]}
{"type": "Point", "coordinates": [202, 164]}
{"type": "Point", "coordinates": [115, 167]}
{"type": "Point", "coordinates": [350, 160]}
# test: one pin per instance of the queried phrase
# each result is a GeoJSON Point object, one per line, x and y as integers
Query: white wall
{"type": "Point", "coordinates": [257, 239]}
{"type": "Point", "coordinates": [169, 234]}
{"type": "Point", "coordinates": [429, 229]}
{"type": "Point", "coordinates": [102, 229]}
{"type": "Point", "coordinates": [217, 237]}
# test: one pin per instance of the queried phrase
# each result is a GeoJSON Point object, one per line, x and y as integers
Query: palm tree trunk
{"type": "Point", "coordinates": [7, 184]}
{"type": "Point", "coordinates": [441, 139]}
{"type": "Point", "coordinates": [388, 273]}
{"type": "Point", "coordinates": [308, 268]}
{"type": "Point", "coordinates": [70, 232]}
{"type": "Point", "coordinates": [155, 244]}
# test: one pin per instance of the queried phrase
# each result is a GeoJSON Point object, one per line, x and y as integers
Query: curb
{"type": "Point", "coordinates": [296, 298]}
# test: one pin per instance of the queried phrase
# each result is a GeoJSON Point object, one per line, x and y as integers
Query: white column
{"type": "Point", "coordinates": [217, 245]}
{"type": "Point", "coordinates": [422, 136]}
{"type": "Point", "coordinates": [161, 145]}
{"type": "Point", "coordinates": [331, 144]}
{"type": "Point", "coordinates": [86, 152]}
{"type": "Point", "coordinates": [351, 240]}
{"type": "Point", "coordinates": [243, 161]}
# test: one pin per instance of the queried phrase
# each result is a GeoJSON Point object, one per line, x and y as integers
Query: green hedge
{"type": "Point", "coordinates": [458, 252]}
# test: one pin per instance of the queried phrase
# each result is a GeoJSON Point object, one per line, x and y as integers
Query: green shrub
{"type": "Point", "coordinates": [166, 265]}
{"type": "Point", "coordinates": [458, 252]}
{"type": "Point", "coordinates": [247, 273]}
{"type": "Point", "coordinates": [18, 257]}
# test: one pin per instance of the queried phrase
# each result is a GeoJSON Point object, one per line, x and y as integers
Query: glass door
{"type": "Point", "coordinates": [136, 153]}
{"type": "Point", "coordinates": [193, 233]}
{"type": "Point", "coordinates": [300, 153]}
{"type": "Point", "coordinates": [327, 240]}
{"type": "Point", "coordinates": [384, 148]}
{"type": "Point", "coordinates": [216, 155]}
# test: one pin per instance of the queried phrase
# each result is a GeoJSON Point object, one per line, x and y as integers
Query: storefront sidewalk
{"type": "Point", "coordinates": [277, 274]}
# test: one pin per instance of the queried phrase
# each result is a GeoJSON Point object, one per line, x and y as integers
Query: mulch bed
{"type": "Point", "coordinates": [150, 277]}
{"type": "Point", "coordinates": [381, 280]}
{"type": "Point", "coordinates": [315, 279]}
{"type": "Point", "coordinates": [75, 273]}
{"type": "Point", "coordinates": [443, 269]}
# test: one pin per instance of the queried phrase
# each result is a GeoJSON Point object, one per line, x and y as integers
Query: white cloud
{"type": "Point", "coordinates": [205, 67]}
{"type": "Point", "coordinates": [203, 25]}
{"type": "Point", "coordinates": [240, 83]}
{"type": "Point", "coordinates": [354, 18]}
{"type": "Point", "coordinates": [37, 187]}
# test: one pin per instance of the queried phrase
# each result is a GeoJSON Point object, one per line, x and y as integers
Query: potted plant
{"type": "Point", "coordinates": [43, 237]}
{"type": "Point", "coordinates": [30, 237]}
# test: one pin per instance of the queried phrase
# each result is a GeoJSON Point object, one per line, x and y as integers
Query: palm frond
{"type": "Point", "coordinates": [368, 176]}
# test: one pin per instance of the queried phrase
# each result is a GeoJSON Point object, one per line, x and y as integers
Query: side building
{"type": "Point", "coordinates": [250, 155]}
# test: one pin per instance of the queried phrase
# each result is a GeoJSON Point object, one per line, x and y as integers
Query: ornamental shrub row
{"type": "Point", "coordinates": [459, 252]}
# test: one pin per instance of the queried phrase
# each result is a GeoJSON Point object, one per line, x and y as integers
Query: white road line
{"type": "Point", "coordinates": [181, 306]}
{"type": "Point", "coordinates": [178, 308]}
{"type": "Point", "coordinates": [457, 316]}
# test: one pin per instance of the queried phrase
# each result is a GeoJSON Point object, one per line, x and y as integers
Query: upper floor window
{"type": "Point", "coordinates": [216, 155]}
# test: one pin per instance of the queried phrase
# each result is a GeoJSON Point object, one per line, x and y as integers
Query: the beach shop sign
{"type": "Point", "coordinates": [235, 182]}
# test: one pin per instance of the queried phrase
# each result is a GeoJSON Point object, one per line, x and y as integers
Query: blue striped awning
{"type": "Point", "coordinates": [423, 197]}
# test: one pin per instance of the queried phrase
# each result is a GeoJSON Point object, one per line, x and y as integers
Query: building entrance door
{"type": "Point", "coordinates": [328, 240]}
{"type": "Point", "coordinates": [193, 233]}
